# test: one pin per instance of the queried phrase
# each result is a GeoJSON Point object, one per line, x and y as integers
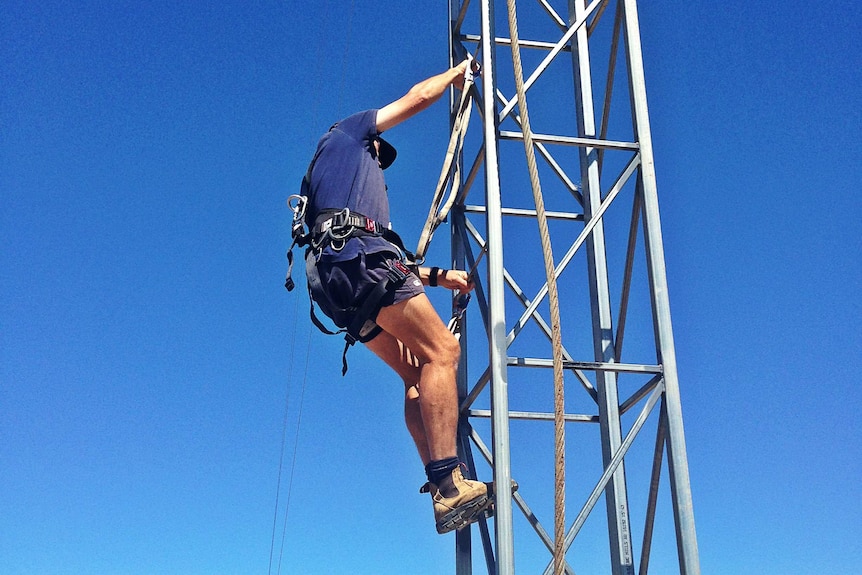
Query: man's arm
{"type": "Point", "coordinates": [420, 97]}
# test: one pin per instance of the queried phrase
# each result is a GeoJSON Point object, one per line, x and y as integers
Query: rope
{"type": "Point", "coordinates": [553, 300]}
{"type": "Point", "coordinates": [451, 171]}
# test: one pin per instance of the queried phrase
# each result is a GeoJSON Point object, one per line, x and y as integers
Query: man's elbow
{"type": "Point", "coordinates": [421, 97]}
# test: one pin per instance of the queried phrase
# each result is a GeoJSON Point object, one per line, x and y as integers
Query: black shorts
{"type": "Point", "coordinates": [344, 285]}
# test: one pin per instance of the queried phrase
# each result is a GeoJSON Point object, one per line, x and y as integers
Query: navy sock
{"type": "Point", "coordinates": [441, 469]}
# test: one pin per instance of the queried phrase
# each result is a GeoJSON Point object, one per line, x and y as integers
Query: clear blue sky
{"type": "Point", "coordinates": [147, 346]}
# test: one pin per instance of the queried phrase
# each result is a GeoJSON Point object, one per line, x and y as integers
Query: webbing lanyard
{"type": "Point", "coordinates": [450, 174]}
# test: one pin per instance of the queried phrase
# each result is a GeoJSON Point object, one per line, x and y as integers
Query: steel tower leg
{"type": "Point", "coordinates": [500, 560]}
{"type": "Point", "coordinates": [616, 499]}
{"type": "Point", "coordinates": [497, 314]}
{"type": "Point", "coordinates": [677, 458]}
{"type": "Point", "coordinates": [463, 538]}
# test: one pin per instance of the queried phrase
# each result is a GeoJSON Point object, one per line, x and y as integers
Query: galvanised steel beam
{"type": "Point", "coordinates": [505, 563]}
{"type": "Point", "coordinates": [616, 497]}
{"type": "Point", "coordinates": [502, 562]}
{"type": "Point", "coordinates": [678, 460]}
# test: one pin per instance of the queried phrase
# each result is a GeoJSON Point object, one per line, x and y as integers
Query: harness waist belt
{"type": "Point", "coordinates": [338, 225]}
{"type": "Point", "coordinates": [327, 221]}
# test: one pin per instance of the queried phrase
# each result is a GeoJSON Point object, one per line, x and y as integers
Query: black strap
{"type": "Point", "coordinates": [288, 281]}
{"type": "Point", "coordinates": [396, 273]}
{"type": "Point", "coordinates": [344, 224]}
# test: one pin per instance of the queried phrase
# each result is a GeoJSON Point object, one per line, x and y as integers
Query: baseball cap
{"type": "Point", "coordinates": [387, 153]}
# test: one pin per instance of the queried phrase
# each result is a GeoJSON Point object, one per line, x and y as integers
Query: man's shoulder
{"type": "Point", "coordinates": [361, 125]}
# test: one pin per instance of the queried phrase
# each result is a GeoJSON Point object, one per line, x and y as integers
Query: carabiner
{"type": "Point", "coordinates": [300, 203]}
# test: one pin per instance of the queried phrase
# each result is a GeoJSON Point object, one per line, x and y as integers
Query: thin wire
{"type": "Point", "coordinates": [318, 78]}
{"type": "Point", "coordinates": [295, 445]}
{"type": "Point", "coordinates": [316, 90]}
{"type": "Point", "coordinates": [283, 435]}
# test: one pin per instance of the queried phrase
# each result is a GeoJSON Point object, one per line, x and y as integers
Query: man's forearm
{"type": "Point", "coordinates": [430, 90]}
{"type": "Point", "coordinates": [419, 97]}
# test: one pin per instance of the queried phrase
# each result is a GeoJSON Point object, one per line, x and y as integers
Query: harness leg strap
{"type": "Point", "coordinates": [395, 276]}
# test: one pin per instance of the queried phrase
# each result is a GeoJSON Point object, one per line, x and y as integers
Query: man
{"type": "Point", "coordinates": [351, 254]}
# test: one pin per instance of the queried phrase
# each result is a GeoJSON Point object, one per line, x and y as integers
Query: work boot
{"type": "Point", "coordinates": [489, 487]}
{"type": "Point", "coordinates": [463, 508]}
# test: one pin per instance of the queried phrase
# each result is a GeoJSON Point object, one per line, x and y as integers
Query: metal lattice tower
{"type": "Point", "coordinates": [583, 77]}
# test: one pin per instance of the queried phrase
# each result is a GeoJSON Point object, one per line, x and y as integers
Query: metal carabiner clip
{"type": "Point", "coordinates": [297, 205]}
{"type": "Point", "coordinates": [474, 69]}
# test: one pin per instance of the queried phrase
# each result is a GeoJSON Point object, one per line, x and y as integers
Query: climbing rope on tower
{"type": "Point", "coordinates": [559, 552]}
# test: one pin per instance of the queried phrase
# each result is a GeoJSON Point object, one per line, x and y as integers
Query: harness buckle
{"type": "Point", "coordinates": [340, 219]}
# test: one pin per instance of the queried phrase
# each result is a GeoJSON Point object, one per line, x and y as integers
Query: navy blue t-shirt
{"type": "Point", "coordinates": [345, 173]}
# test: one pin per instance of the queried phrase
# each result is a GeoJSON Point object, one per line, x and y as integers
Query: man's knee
{"type": "Point", "coordinates": [445, 350]}
{"type": "Point", "coordinates": [451, 350]}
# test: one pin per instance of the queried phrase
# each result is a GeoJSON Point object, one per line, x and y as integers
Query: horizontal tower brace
{"type": "Point", "coordinates": [528, 213]}
{"type": "Point", "coordinates": [522, 43]}
{"type": "Point", "coordinates": [572, 141]}
{"type": "Point", "coordinates": [585, 365]}
{"type": "Point", "coordinates": [534, 415]}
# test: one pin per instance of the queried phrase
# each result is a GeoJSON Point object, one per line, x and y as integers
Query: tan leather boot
{"type": "Point", "coordinates": [461, 509]}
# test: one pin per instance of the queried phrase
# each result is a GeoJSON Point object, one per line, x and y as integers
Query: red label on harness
{"type": "Point", "coordinates": [401, 267]}
{"type": "Point", "coordinates": [369, 225]}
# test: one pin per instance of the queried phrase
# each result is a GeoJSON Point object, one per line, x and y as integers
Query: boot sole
{"type": "Point", "coordinates": [464, 515]}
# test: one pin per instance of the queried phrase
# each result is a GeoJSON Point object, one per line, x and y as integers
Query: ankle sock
{"type": "Point", "coordinates": [439, 473]}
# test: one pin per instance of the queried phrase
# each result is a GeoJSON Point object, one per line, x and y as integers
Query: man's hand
{"type": "Point", "coordinates": [461, 70]}
{"type": "Point", "coordinates": [455, 280]}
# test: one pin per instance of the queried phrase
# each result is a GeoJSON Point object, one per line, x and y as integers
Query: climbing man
{"type": "Point", "coordinates": [359, 277]}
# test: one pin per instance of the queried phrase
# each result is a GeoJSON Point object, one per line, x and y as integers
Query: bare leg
{"type": "Point", "coordinates": [413, 418]}
{"type": "Point", "coordinates": [415, 323]}
{"type": "Point", "coordinates": [414, 326]}
{"type": "Point", "coordinates": [406, 365]}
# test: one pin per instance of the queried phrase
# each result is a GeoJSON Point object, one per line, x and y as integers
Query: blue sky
{"type": "Point", "coordinates": [150, 358]}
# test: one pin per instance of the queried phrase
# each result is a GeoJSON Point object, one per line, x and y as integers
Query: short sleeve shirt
{"type": "Point", "coordinates": [345, 174]}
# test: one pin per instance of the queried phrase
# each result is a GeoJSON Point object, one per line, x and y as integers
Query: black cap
{"type": "Point", "coordinates": [387, 153]}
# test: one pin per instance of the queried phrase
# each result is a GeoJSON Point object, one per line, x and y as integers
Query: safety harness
{"type": "Point", "coordinates": [333, 228]}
